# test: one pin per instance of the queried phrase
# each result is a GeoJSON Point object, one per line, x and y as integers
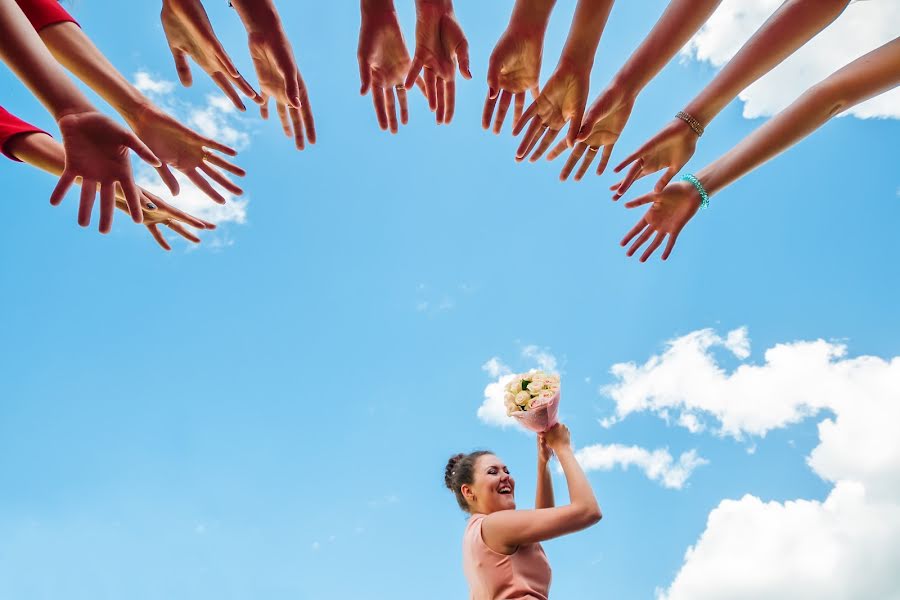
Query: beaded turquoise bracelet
{"type": "Point", "coordinates": [704, 196]}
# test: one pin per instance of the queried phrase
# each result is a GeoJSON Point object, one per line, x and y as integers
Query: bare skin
{"type": "Point", "coordinates": [97, 148]}
{"type": "Point", "coordinates": [674, 205]}
{"type": "Point", "coordinates": [793, 25]}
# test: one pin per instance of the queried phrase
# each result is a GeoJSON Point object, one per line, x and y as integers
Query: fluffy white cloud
{"type": "Point", "coordinates": [657, 465]}
{"type": "Point", "coordinates": [847, 546]}
{"type": "Point", "coordinates": [493, 410]}
{"type": "Point", "coordinates": [860, 29]}
{"type": "Point", "coordinates": [217, 119]}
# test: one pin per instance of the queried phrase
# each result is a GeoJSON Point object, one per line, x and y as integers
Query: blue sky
{"type": "Point", "coordinates": [269, 415]}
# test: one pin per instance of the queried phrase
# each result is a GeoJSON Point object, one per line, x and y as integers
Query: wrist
{"type": "Point", "coordinates": [370, 7]}
{"type": "Point", "coordinates": [258, 17]}
{"type": "Point", "coordinates": [135, 112]}
{"type": "Point", "coordinates": [531, 15]}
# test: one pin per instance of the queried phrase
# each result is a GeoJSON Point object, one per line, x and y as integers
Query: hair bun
{"type": "Point", "coordinates": [451, 466]}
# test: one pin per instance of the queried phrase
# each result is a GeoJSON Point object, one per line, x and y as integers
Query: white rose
{"type": "Point", "coordinates": [523, 398]}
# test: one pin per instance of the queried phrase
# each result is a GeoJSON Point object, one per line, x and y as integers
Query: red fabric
{"type": "Point", "coordinates": [42, 13]}
{"type": "Point", "coordinates": [10, 127]}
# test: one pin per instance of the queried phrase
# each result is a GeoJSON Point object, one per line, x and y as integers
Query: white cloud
{"type": "Point", "coordinates": [845, 546]}
{"type": "Point", "coordinates": [145, 83]}
{"type": "Point", "coordinates": [657, 465]}
{"type": "Point", "coordinates": [861, 28]}
{"type": "Point", "coordinates": [195, 202]}
{"type": "Point", "coordinates": [493, 410]}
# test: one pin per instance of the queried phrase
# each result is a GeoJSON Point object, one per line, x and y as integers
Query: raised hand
{"type": "Point", "coordinates": [185, 150]}
{"type": "Point", "coordinates": [157, 212]}
{"type": "Point", "coordinates": [669, 149]}
{"type": "Point", "coordinates": [440, 44]}
{"type": "Point", "coordinates": [280, 80]}
{"type": "Point", "coordinates": [96, 149]}
{"type": "Point", "coordinates": [190, 34]}
{"type": "Point", "coordinates": [561, 101]}
{"type": "Point", "coordinates": [384, 63]}
{"type": "Point", "coordinates": [558, 437]}
{"type": "Point", "coordinates": [601, 128]}
{"type": "Point", "coordinates": [670, 211]}
{"type": "Point", "coordinates": [514, 68]}
{"type": "Point", "coordinates": [545, 452]}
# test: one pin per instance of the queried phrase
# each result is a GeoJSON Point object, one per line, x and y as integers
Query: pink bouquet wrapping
{"type": "Point", "coordinates": [533, 399]}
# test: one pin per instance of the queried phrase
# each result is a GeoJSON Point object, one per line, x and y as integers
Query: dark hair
{"type": "Point", "coordinates": [460, 471]}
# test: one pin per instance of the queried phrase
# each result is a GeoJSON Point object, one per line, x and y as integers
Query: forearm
{"type": "Point", "coordinates": [531, 15]}
{"type": "Point", "coordinates": [581, 495]}
{"type": "Point", "coordinates": [27, 56]}
{"type": "Point", "coordinates": [75, 51]}
{"type": "Point", "coordinates": [39, 150]}
{"type": "Point", "coordinates": [587, 27]}
{"type": "Point", "coordinates": [544, 496]}
{"type": "Point", "coordinates": [376, 6]}
{"type": "Point", "coordinates": [793, 24]}
{"type": "Point", "coordinates": [862, 79]}
{"type": "Point", "coordinates": [258, 16]}
{"type": "Point", "coordinates": [681, 20]}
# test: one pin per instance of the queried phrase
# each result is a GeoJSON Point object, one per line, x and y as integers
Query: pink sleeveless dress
{"type": "Point", "coordinates": [522, 575]}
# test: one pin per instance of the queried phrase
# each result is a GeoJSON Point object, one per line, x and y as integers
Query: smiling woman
{"type": "Point", "coordinates": [502, 555]}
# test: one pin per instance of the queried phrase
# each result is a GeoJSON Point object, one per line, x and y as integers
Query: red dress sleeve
{"type": "Point", "coordinates": [10, 127]}
{"type": "Point", "coordinates": [42, 13]}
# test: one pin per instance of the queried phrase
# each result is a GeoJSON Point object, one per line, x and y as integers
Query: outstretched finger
{"type": "Point", "coordinates": [141, 149]}
{"type": "Point", "coordinates": [462, 57]}
{"type": "Point", "coordinates": [641, 224]}
{"type": "Point", "coordinates": [665, 179]}
{"type": "Point", "coordinates": [529, 112]}
{"type": "Point", "coordinates": [549, 136]}
{"type": "Point", "coordinates": [660, 236]}
{"type": "Point", "coordinates": [225, 85]}
{"type": "Point", "coordinates": [529, 139]}
{"type": "Point", "coordinates": [306, 113]}
{"type": "Point", "coordinates": [365, 77]}
{"type": "Point", "coordinates": [633, 173]}
{"type": "Point", "coordinates": [519, 107]}
{"type": "Point", "coordinates": [450, 99]}
{"type": "Point", "coordinates": [430, 90]}
{"type": "Point", "coordinates": [645, 235]}
{"type": "Point", "coordinates": [642, 200]}
{"type": "Point", "coordinates": [391, 107]}
{"type": "Point", "coordinates": [577, 152]}
{"type": "Point", "coordinates": [502, 109]}
{"type": "Point", "coordinates": [489, 103]}
{"type": "Point", "coordinates": [574, 127]}
{"type": "Point", "coordinates": [604, 158]}
{"type": "Point", "coordinates": [177, 228]}
{"type": "Point", "coordinates": [132, 195]}
{"type": "Point", "coordinates": [205, 186]}
{"type": "Point", "coordinates": [441, 106]}
{"type": "Point", "coordinates": [557, 150]}
{"type": "Point", "coordinates": [221, 179]}
{"type": "Point", "coordinates": [182, 67]}
{"type": "Point", "coordinates": [297, 123]}
{"type": "Point", "coordinates": [246, 89]}
{"type": "Point", "coordinates": [630, 159]}
{"type": "Point", "coordinates": [154, 231]}
{"type": "Point", "coordinates": [168, 178]}
{"type": "Point", "coordinates": [86, 205]}
{"type": "Point", "coordinates": [586, 163]}
{"type": "Point", "coordinates": [283, 117]}
{"type": "Point", "coordinates": [264, 107]}
{"type": "Point", "coordinates": [414, 71]}
{"type": "Point", "coordinates": [669, 245]}
{"type": "Point", "coordinates": [108, 205]}
{"type": "Point", "coordinates": [380, 109]}
{"type": "Point", "coordinates": [224, 164]}
{"type": "Point", "coordinates": [404, 105]}
{"type": "Point", "coordinates": [62, 186]}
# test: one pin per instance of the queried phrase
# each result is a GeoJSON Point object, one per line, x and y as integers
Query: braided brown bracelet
{"type": "Point", "coordinates": [694, 124]}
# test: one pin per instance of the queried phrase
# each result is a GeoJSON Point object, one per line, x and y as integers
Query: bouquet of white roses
{"type": "Point", "coordinates": [533, 399]}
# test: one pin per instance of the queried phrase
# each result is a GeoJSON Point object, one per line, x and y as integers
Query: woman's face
{"type": "Point", "coordinates": [494, 489]}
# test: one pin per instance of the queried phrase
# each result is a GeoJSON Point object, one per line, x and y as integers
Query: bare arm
{"type": "Point", "coordinates": [870, 75]}
{"type": "Point", "coordinates": [792, 25]}
{"type": "Point", "coordinates": [505, 530]}
{"type": "Point", "coordinates": [29, 59]}
{"type": "Point", "coordinates": [676, 204]}
{"type": "Point", "coordinates": [544, 494]}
